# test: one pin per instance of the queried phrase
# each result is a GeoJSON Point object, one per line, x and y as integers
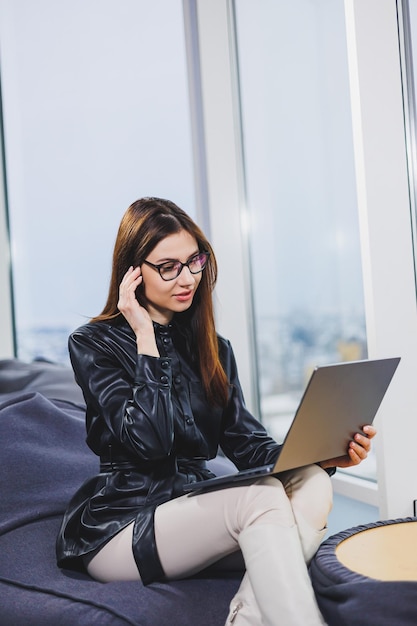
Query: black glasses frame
{"type": "Point", "coordinates": [180, 266]}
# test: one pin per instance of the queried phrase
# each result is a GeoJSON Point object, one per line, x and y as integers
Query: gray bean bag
{"type": "Point", "coordinates": [44, 459]}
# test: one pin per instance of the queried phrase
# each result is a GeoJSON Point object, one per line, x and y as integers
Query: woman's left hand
{"type": "Point", "coordinates": [358, 450]}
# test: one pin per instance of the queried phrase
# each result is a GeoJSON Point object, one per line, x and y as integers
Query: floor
{"type": "Point", "coordinates": [347, 513]}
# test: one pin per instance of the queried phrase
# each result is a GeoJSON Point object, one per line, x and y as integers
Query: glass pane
{"type": "Point", "coordinates": [96, 115]}
{"type": "Point", "coordinates": [301, 193]}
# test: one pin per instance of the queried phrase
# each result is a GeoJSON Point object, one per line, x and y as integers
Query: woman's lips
{"type": "Point", "coordinates": [183, 296]}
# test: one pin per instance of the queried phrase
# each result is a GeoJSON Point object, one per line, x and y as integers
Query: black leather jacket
{"type": "Point", "coordinates": [150, 423]}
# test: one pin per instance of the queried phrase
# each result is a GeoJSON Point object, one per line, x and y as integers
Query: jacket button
{"type": "Point", "coordinates": [164, 365]}
{"type": "Point", "coordinates": [177, 379]}
{"type": "Point", "coordinates": [189, 421]}
{"type": "Point", "coordinates": [164, 380]}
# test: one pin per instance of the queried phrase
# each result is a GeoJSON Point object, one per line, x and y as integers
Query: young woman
{"type": "Point", "coordinates": [162, 394]}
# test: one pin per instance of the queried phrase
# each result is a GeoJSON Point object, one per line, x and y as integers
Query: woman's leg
{"type": "Point", "coordinates": [278, 576]}
{"type": "Point", "coordinates": [193, 532]}
{"type": "Point", "coordinates": [115, 560]}
{"type": "Point", "coordinates": [310, 492]}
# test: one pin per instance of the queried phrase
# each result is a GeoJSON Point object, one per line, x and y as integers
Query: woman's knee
{"type": "Point", "coordinates": [311, 494]}
{"type": "Point", "coordinates": [303, 480]}
{"type": "Point", "coordinates": [266, 501]}
{"type": "Point", "coordinates": [319, 482]}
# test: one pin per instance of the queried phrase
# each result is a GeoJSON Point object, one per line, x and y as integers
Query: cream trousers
{"type": "Point", "coordinates": [194, 532]}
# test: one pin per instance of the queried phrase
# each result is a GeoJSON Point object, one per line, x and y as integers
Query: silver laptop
{"type": "Point", "coordinates": [338, 401]}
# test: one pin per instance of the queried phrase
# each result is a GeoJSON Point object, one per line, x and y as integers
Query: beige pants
{"type": "Point", "coordinates": [193, 532]}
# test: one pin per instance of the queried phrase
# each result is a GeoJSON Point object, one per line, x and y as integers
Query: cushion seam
{"type": "Point", "coordinates": [65, 596]}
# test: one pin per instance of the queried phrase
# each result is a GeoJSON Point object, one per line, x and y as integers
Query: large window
{"type": "Point", "coordinates": [301, 194]}
{"type": "Point", "coordinates": [96, 114]}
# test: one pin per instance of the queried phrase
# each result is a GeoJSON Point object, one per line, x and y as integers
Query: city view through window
{"type": "Point", "coordinates": [301, 197]}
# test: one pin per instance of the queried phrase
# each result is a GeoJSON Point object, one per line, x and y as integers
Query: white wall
{"type": "Point", "coordinates": [386, 233]}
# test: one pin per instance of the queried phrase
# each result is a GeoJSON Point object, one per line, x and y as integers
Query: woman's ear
{"type": "Point", "coordinates": [139, 293]}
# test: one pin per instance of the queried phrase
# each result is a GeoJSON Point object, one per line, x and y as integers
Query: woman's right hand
{"type": "Point", "coordinates": [136, 315]}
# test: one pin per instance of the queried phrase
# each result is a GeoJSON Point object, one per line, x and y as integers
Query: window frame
{"type": "Point", "coordinates": [7, 327]}
{"type": "Point", "coordinates": [382, 183]}
{"type": "Point", "coordinates": [217, 122]}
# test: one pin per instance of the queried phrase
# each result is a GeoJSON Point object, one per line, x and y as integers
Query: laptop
{"type": "Point", "coordinates": [338, 401]}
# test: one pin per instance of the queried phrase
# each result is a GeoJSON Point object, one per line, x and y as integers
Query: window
{"type": "Point", "coordinates": [301, 194]}
{"type": "Point", "coordinates": [96, 114]}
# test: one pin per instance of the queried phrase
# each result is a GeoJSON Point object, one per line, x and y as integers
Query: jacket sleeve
{"type": "Point", "coordinates": [243, 440]}
{"type": "Point", "coordinates": [133, 398]}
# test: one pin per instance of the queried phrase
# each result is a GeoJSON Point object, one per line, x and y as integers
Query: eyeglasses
{"type": "Point", "coordinates": [172, 269]}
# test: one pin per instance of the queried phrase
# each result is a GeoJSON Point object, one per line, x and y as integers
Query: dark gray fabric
{"type": "Point", "coordinates": [50, 379]}
{"type": "Point", "coordinates": [72, 598]}
{"type": "Point", "coordinates": [346, 598]}
{"type": "Point", "coordinates": [44, 460]}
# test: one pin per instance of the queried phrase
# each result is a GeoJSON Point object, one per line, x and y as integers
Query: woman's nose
{"type": "Point", "coordinates": [186, 277]}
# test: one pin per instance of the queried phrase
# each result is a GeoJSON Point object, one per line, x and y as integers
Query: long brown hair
{"type": "Point", "coordinates": [145, 223]}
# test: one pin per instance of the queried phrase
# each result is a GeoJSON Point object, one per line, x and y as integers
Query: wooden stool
{"type": "Point", "coordinates": [387, 552]}
{"type": "Point", "coordinates": [367, 575]}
